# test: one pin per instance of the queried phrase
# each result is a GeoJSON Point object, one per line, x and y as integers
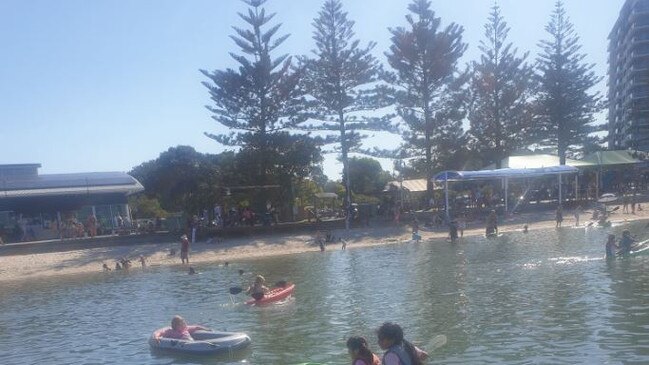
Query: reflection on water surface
{"type": "Point", "coordinates": [545, 297]}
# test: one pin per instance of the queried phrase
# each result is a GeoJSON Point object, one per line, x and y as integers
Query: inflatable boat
{"type": "Point", "coordinates": [203, 343]}
{"type": "Point", "coordinates": [274, 295]}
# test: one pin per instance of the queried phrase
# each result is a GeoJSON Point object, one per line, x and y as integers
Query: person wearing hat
{"type": "Point", "coordinates": [257, 290]}
{"type": "Point", "coordinates": [184, 249]}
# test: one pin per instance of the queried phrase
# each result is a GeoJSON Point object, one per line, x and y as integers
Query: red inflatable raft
{"type": "Point", "coordinates": [275, 295]}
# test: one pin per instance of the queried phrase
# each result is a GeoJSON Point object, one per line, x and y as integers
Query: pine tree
{"type": "Point", "coordinates": [501, 92]}
{"type": "Point", "coordinates": [261, 99]}
{"type": "Point", "coordinates": [339, 81]}
{"type": "Point", "coordinates": [428, 88]}
{"type": "Point", "coordinates": [566, 107]}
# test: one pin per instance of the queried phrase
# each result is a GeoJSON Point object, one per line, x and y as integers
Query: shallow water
{"type": "Point", "coordinates": [547, 297]}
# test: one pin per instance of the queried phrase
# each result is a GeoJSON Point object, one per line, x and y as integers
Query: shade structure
{"type": "Point", "coordinates": [503, 173]}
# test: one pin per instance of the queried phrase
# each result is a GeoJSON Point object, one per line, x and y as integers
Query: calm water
{"type": "Point", "coordinates": [543, 298]}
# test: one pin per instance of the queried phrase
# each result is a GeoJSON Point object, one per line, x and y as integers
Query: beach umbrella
{"type": "Point", "coordinates": [607, 198]}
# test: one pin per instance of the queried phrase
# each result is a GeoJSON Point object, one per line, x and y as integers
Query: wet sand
{"type": "Point", "coordinates": [34, 266]}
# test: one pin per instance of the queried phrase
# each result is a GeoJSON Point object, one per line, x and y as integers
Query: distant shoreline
{"type": "Point", "coordinates": [26, 267]}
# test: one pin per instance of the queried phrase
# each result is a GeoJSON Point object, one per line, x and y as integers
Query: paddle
{"type": "Point", "coordinates": [237, 289]}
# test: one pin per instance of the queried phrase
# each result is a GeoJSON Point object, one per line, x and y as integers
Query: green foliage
{"type": "Point", "coordinates": [181, 179]}
{"type": "Point", "coordinates": [501, 91]}
{"type": "Point", "coordinates": [428, 87]}
{"type": "Point", "coordinates": [566, 108]}
{"type": "Point", "coordinates": [367, 176]}
{"type": "Point", "coordinates": [262, 97]}
{"type": "Point", "coordinates": [338, 81]}
{"type": "Point", "coordinates": [143, 206]}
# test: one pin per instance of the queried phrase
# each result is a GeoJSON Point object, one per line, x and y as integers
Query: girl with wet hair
{"type": "Point", "coordinates": [360, 352]}
{"type": "Point", "coordinates": [398, 351]}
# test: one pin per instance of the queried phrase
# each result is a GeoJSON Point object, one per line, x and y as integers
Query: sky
{"type": "Point", "coordinates": [105, 85]}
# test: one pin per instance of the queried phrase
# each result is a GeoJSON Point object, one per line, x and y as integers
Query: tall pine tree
{"type": "Point", "coordinates": [339, 79]}
{"type": "Point", "coordinates": [261, 99]}
{"type": "Point", "coordinates": [566, 107]}
{"type": "Point", "coordinates": [427, 85]}
{"type": "Point", "coordinates": [501, 92]}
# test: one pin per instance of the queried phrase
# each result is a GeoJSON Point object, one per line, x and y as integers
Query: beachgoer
{"type": "Point", "coordinates": [241, 272]}
{"type": "Point", "coordinates": [257, 290]}
{"type": "Point", "coordinates": [577, 213]}
{"type": "Point", "coordinates": [360, 352]}
{"type": "Point", "coordinates": [525, 228]}
{"type": "Point", "coordinates": [611, 247]}
{"type": "Point", "coordinates": [126, 263]}
{"type": "Point", "coordinates": [142, 261]}
{"type": "Point", "coordinates": [226, 264]}
{"type": "Point", "coordinates": [625, 204]}
{"type": "Point", "coordinates": [492, 224]}
{"type": "Point", "coordinates": [415, 225]}
{"type": "Point", "coordinates": [461, 224]}
{"type": "Point", "coordinates": [91, 223]}
{"type": "Point", "coordinates": [180, 330]}
{"type": "Point", "coordinates": [398, 351]}
{"type": "Point", "coordinates": [105, 267]}
{"type": "Point", "coordinates": [559, 216]}
{"type": "Point", "coordinates": [633, 202]}
{"type": "Point", "coordinates": [344, 244]}
{"type": "Point", "coordinates": [118, 266]}
{"type": "Point", "coordinates": [626, 242]}
{"type": "Point", "coordinates": [184, 249]}
{"type": "Point", "coordinates": [452, 230]}
{"type": "Point", "coordinates": [192, 271]}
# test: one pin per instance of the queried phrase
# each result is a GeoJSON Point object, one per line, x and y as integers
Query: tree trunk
{"type": "Point", "coordinates": [344, 152]}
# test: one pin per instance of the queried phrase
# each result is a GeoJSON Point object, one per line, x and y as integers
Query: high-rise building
{"type": "Point", "coordinates": [628, 81]}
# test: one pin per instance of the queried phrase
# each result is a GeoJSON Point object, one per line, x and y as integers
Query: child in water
{"type": "Point", "coordinates": [257, 290]}
{"type": "Point", "coordinates": [611, 247]}
{"type": "Point", "coordinates": [360, 352]}
{"type": "Point", "coordinates": [398, 351]}
{"type": "Point", "coordinates": [180, 330]}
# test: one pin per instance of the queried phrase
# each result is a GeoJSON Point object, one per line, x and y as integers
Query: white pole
{"type": "Point", "coordinates": [506, 194]}
{"type": "Point", "coordinates": [446, 192]}
{"type": "Point", "coordinates": [560, 191]}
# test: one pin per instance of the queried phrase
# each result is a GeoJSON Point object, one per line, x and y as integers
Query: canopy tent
{"type": "Point", "coordinates": [502, 174]}
{"type": "Point", "coordinates": [533, 161]}
{"type": "Point", "coordinates": [414, 186]}
{"type": "Point", "coordinates": [611, 158]}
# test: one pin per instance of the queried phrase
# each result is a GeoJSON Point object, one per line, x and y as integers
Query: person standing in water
{"type": "Point", "coordinates": [626, 242]}
{"type": "Point", "coordinates": [398, 351]}
{"type": "Point", "coordinates": [492, 224]}
{"type": "Point", "coordinates": [611, 247]}
{"type": "Point", "coordinates": [559, 216]}
{"type": "Point", "coordinates": [360, 352]}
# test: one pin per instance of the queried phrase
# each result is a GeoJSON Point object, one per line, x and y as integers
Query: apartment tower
{"type": "Point", "coordinates": [628, 81]}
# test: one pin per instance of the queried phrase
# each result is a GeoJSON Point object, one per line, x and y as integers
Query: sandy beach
{"type": "Point", "coordinates": [33, 266]}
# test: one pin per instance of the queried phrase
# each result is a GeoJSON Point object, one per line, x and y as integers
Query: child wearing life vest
{"type": "Point", "coordinates": [257, 290]}
{"type": "Point", "coordinates": [360, 352]}
{"type": "Point", "coordinates": [398, 351]}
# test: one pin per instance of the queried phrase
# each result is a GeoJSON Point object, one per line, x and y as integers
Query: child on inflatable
{"type": "Point", "coordinates": [180, 330]}
{"type": "Point", "coordinates": [398, 351]}
{"type": "Point", "coordinates": [257, 290]}
{"type": "Point", "coordinates": [360, 352]}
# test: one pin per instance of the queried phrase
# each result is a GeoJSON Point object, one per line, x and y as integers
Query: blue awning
{"type": "Point", "coordinates": [503, 173]}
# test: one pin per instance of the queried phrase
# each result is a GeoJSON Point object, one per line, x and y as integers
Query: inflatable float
{"type": "Point", "coordinates": [203, 343]}
{"type": "Point", "coordinates": [274, 295]}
